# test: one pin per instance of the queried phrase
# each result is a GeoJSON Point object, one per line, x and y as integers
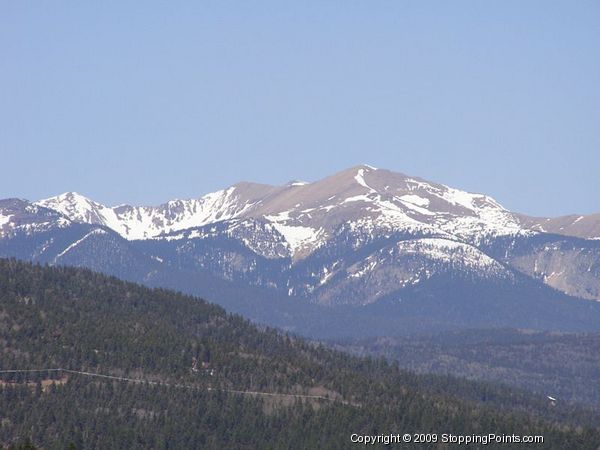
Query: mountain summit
{"type": "Point", "coordinates": [307, 214]}
{"type": "Point", "coordinates": [418, 251]}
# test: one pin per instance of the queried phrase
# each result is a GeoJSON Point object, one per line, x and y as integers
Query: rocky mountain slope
{"type": "Point", "coordinates": [307, 214]}
{"type": "Point", "coordinates": [363, 236]}
{"type": "Point", "coordinates": [586, 227]}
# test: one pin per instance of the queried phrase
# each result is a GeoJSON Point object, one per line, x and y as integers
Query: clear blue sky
{"type": "Point", "coordinates": [141, 102]}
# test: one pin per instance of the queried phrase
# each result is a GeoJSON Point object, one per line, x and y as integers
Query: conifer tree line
{"type": "Point", "coordinates": [57, 317]}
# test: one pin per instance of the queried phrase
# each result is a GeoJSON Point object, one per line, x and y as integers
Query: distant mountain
{"type": "Point", "coordinates": [587, 227]}
{"type": "Point", "coordinates": [143, 222]}
{"type": "Point", "coordinates": [308, 214]}
{"type": "Point", "coordinates": [20, 217]}
{"type": "Point", "coordinates": [361, 237]}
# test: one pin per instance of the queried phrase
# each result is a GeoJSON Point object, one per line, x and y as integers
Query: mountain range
{"type": "Point", "coordinates": [361, 252]}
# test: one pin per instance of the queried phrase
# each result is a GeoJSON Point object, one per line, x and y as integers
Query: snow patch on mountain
{"type": "Point", "coordinates": [360, 179]}
{"type": "Point", "coordinates": [414, 206]}
{"type": "Point", "coordinates": [298, 237]}
{"type": "Point", "coordinates": [4, 219]}
{"type": "Point", "coordinates": [457, 197]}
{"type": "Point", "coordinates": [367, 267]}
{"type": "Point", "coordinates": [70, 247]}
{"type": "Point", "coordinates": [489, 221]}
{"type": "Point", "coordinates": [415, 200]}
{"type": "Point", "coordinates": [356, 198]}
{"type": "Point", "coordinates": [453, 252]}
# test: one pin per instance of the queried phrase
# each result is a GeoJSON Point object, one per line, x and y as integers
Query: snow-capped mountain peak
{"type": "Point", "coordinates": [77, 207]}
{"type": "Point", "coordinates": [144, 222]}
{"type": "Point", "coordinates": [307, 214]}
{"type": "Point", "coordinates": [355, 236]}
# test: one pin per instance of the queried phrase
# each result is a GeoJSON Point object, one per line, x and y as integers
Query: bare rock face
{"type": "Point", "coordinates": [574, 271]}
{"type": "Point", "coordinates": [570, 265]}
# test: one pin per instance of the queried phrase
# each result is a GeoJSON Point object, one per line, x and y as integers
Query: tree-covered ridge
{"type": "Point", "coordinates": [80, 320]}
{"type": "Point", "coordinates": [562, 365]}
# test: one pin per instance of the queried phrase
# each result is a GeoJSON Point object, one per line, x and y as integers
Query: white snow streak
{"type": "Point", "coordinates": [360, 179]}
{"type": "Point", "coordinates": [79, 241]}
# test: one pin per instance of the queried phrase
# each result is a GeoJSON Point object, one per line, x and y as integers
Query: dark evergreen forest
{"type": "Point", "coordinates": [192, 356]}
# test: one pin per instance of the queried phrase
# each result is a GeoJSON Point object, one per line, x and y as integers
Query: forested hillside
{"type": "Point", "coordinates": [200, 365]}
{"type": "Point", "coordinates": [563, 365]}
